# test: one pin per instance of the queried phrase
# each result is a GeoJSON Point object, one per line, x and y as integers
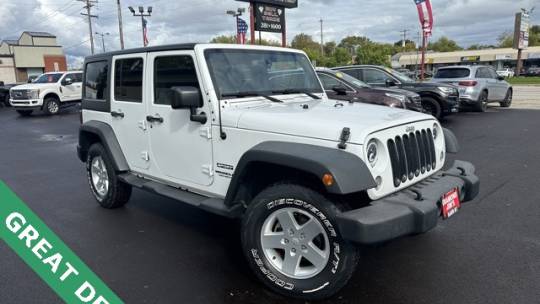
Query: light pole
{"type": "Point", "coordinates": [142, 14]}
{"type": "Point", "coordinates": [102, 39]}
{"type": "Point", "coordinates": [236, 14]}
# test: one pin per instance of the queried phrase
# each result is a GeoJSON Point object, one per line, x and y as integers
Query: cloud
{"type": "Point", "coordinates": [466, 21]}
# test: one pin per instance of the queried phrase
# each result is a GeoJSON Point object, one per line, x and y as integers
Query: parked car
{"type": "Point", "coordinates": [437, 99]}
{"type": "Point", "coordinates": [211, 125]}
{"type": "Point", "coordinates": [49, 92]}
{"type": "Point", "coordinates": [4, 93]}
{"type": "Point", "coordinates": [478, 85]}
{"type": "Point", "coordinates": [341, 86]}
{"type": "Point", "coordinates": [506, 73]}
{"type": "Point", "coordinates": [533, 72]}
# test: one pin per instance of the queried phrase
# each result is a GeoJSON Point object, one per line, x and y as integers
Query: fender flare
{"type": "Point", "coordinates": [107, 138]}
{"type": "Point", "coordinates": [351, 174]}
{"type": "Point", "coordinates": [452, 145]}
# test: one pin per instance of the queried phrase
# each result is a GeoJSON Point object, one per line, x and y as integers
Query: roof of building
{"type": "Point", "coordinates": [11, 42]}
{"type": "Point", "coordinates": [40, 34]}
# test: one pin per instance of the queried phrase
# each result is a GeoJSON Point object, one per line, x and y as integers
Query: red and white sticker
{"type": "Point", "coordinates": [450, 203]}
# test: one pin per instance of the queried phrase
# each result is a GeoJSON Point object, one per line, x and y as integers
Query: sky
{"type": "Point", "coordinates": [466, 21]}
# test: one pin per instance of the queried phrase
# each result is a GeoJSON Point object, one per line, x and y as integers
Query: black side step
{"type": "Point", "coordinates": [213, 205]}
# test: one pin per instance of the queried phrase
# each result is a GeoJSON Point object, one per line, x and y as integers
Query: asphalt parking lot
{"type": "Point", "coordinates": [158, 251]}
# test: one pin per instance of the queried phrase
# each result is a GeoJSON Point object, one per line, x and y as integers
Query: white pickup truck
{"type": "Point", "coordinates": [49, 92]}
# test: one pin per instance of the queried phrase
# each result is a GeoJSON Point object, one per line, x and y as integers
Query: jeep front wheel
{"type": "Point", "coordinates": [293, 244]}
{"type": "Point", "coordinates": [107, 189]}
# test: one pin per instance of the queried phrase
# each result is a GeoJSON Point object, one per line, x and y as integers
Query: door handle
{"type": "Point", "coordinates": [117, 114]}
{"type": "Point", "coordinates": [154, 119]}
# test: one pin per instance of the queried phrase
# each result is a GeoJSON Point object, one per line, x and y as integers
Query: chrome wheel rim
{"type": "Point", "coordinates": [53, 107]}
{"type": "Point", "coordinates": [100, 178]}
{"type": "Point", "coordinates": [295, 243]}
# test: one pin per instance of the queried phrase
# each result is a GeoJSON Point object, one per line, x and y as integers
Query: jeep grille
{"type": "Point", "coordinates": [411, 155]}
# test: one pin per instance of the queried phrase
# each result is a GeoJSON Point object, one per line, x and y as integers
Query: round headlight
{"type": "Point", "coordinates": [372, 153]}
{"type": "Point", "coordinates": [435, 131]}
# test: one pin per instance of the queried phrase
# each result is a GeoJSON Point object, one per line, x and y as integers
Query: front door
{"type": "Point", "coordinates": [181, 149]}
{"type": "Point", "coordinates": [73, 90]}
{"type": "Point", "coordinates": [128, 109]}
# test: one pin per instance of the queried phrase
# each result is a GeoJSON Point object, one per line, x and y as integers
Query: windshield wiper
{"type": "Point", "coordinates": [296, 91]}
{"type": "Point", "coordinates": [251, 94]}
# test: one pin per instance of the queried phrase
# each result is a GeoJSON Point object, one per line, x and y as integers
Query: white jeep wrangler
{"type": "Point", "coordinates": [49, 92]}
{"type": "Point", "coordinates": [247, 132]}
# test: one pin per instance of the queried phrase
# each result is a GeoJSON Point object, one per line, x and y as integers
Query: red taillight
{"type": "Point", "coordinates": [468, 83]}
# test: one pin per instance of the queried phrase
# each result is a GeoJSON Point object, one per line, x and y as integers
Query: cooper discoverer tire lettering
{"type": "Point", "coordinates": [292, 243]}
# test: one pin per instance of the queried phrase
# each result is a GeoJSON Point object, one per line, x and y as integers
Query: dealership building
{"type": "Point", "coordinates": [498, 58]}
{"type": "Point", "coordinates": [32, 54]}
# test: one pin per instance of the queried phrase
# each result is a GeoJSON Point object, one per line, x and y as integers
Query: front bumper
{"type": "Point", "coordinates": [27, 103]}
{"type": "Point", "coordinates": [411, 211]}
{"type": "Point", "coordinates": [452, 104]}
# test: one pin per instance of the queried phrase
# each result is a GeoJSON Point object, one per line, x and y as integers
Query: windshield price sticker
{"type": "Point", "coordinates": [47, 255]}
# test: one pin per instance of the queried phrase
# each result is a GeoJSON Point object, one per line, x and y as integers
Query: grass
{"type": "Point", "coordinates": [524, 81]}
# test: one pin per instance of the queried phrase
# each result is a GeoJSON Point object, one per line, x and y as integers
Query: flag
{"type": "Point", "coordinates": [145, 32]}
{"type": "Point", "coordinates": [242, 29]}
{"type": "Point", "coordinates": [425, 13]}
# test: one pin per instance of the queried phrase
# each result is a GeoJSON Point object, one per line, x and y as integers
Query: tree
{"type": "Point", "coordinates": [224, 39]}
{"type": "Point", "coordinates": [506, 40]}
{"type": "Point", "coordinates": [534, 35]}
{"type": "Point", "coordinates": [304, 42]}
{"type": "Point", "coordinates": [480, 47]}
{"type": "Point", "coordinates": [444, 44]}
{"type": "Point", "coordinates": [375, 53]}
{"type": "Point", "coordinates": [409, 46]}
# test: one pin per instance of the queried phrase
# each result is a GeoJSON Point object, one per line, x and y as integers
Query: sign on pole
{"type": "Point", "coordinates": [282, 3]}
{"type": "Point", "coordinates": [269, 18]}
{"type": "Point", "coordinates": [521, 31]}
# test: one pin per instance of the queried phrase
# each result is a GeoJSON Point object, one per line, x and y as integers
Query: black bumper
{"type": "Point", "coordinates": [412, 211]}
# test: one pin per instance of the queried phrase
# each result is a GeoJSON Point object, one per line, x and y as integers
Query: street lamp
{"type": "Point", "coordinates": [236, 14]}
{"type": "Point", "coordinates": [102, 39]}
{"type": "Point", "coordinates": [142, 14]}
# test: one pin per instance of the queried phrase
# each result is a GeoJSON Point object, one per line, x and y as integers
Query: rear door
{"type": "Point", "coordinates": [180, 148]}
{"type": "Point", "coordinates": [500, 85]}
{"type": "Point", "coordinates": [128, 108]}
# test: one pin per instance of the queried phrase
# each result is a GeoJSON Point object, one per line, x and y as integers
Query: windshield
{"type": "Point", "coordinates": [348, 78]}
{"type": "Point", "coordinates": [453, 73]}
{"type": "Point", "coordinates": [252, 72]}
{"type": "Point", "coordinates": [402, 77]}
{"type": "Point", "coordinates": [48, 78]}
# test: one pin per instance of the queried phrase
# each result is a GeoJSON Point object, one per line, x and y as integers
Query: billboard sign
{"type": "Point", "coordinates": [280, 3]}
{"type": "Point", "coordinates": [521, 31]}
{"type": "Point", "coordinates": [269, 18]}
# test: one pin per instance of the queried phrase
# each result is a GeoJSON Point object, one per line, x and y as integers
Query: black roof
{"type": "Point", "coordinates": [40, 34]}
{"type": "Point", "coordinates": [161, 48]}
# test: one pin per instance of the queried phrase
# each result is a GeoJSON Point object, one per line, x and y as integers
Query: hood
{"type": "Point", "coordinates": [31, 86]}
{"type": "Point", "coordinates": [322, 119]}
{"type": "Point", "coordinates": [426, 85]}
{"type": "Point", "coordinates": [396, 91]}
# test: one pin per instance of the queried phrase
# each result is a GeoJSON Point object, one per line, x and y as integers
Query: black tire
{"type": "Point", "coordinates": [507, 103]}
{"type": "Point", "coordinates": [343, 256]}
{"type": "Point", "coordinates": [6, 100]}
{"type": "Point", "coordinates": [118, 193]}
{"type": "Point", "coordinates": [25, 113]}
{"type": "Point", "coordinates": [51, 106]}
{"type": "Point", "coordinates": [432, 106]}
{"type": "Point", "coordinates": [481, 104]}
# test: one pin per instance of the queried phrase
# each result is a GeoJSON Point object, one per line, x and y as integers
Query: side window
{"type": "Point", "coordinates": [77, 77]}
{"type": "Point", "coordinates": [96, 80]}
{"type": "Point", "coordinates": [354, 73]}
{"type": "Point", "coordinates": [128, 79]}
{"type": "Point", "coordinates": [173, 71]}
{"type": "Point", "coordinates": [329, 82]}
{"type": "Point", "coordinates": [492, 73]}
{"type": "Point", "coordinates": [483, 73]}
{"type": "Point", "coordinates": [372, 76]}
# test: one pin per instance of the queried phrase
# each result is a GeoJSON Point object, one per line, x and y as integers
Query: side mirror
{"type": "Point", "coordinates": [390, 83]}
{"type": "Point", "coordinates": [189, 98]}
{"type": "Point", "coordinates": [67, 81]}
{"type": "Point", "coordinates": [501, 78]}
{"type": "Point", "coordinates": [2, 84]}
{"type": "Point", "coordinates": [340, 90]}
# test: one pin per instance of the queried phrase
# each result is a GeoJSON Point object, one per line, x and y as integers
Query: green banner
{"type": "Point", "coordinates": [47, 255]}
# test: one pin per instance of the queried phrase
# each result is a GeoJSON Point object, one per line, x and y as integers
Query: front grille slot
{"type": "Point", "coordinates": [19, 94]}
{"type": "Point", "coordinates": [411, 155]}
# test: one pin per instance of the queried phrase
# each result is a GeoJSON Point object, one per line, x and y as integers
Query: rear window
{"type": "Point", "coordinates": [128, 79]}
{"type": "Point", "coordinates": [96, 78]}
{"type": "Point", "coordinates": [453, 73]}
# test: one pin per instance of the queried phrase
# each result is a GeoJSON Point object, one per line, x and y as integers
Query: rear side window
{"type": "Point", "coordinates": [354, 73]}
{"type": "Point", "coordinates": [96, 80]}
{"type": "Point", "coordinates": [173, 71]}
{"type": "Point", "coordinates": [128, 79]}
{"type": "Point", "coordinates": [453, 73]}
{"type": "Point", "coordinates": [329, 82]}
{"type": "Point", "coordinates": [483, 73]}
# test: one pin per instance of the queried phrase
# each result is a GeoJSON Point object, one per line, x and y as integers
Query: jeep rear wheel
{"type": "Point", "coordinates": [292, 242]}
{"type": "Point", "coordinates": [52, 106]}
{"type": "Point", "coordinates": [107, 189]}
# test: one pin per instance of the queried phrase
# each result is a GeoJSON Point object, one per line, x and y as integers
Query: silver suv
{"type": "Point", "coordinates": [478, 85]}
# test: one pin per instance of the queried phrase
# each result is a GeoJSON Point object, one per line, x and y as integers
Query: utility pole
{"type": "Point", "coordinates": [404, 41]}
{"type": "Point", "coordinates": [88, 7]}
{"type": "Point", "coordinates": [322, 38]}
{"type": "Point", "coordinates": [142, 14]}
{"type": "Point", "coordinates": [103, 39]}
{"type": "Point", "coordinates": [120, 26]}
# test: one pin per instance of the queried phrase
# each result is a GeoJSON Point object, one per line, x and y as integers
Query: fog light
{"type": "Point", "coordinates": [442, 156]}
{"type": "Point", "coordinates": [328, 180]}
{"type": "Point", "coordinates": [378, 180]}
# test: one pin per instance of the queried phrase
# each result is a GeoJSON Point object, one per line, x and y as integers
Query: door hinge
{"type": "Point", "coordinates": [208, 170]}
{"type": "Point", "coordinates": [142, 125]}
{"type": "Point", "coordinates": [206, 132]}
{"type": "Point", "coordinates": [145, 156]}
